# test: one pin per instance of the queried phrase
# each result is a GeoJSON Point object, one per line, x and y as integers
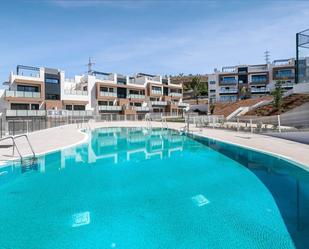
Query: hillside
{"type": "Point", "coordinates": [226, 109]}
{"type": "Point", "coordinates": [289, 103]}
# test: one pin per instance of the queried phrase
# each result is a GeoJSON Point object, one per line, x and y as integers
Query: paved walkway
{"type": "Point", "coordinates": [55, 138]}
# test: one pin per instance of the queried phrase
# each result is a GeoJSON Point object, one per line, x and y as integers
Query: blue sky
{"type": "Point", "coordinates": [161, 37]}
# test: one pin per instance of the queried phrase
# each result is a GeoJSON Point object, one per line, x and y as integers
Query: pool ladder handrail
{"type": "Point", "coordinates": [148, 122]}
{"type": "Point", "coordinates": [164, 122]}
{"type": "Point", "coordinates": [13, 138]}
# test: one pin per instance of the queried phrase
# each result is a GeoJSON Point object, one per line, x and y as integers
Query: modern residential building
{"type": "Point", "coordinates": [250, 81]}
{"type": "Point", "coordinates": [43, 92]}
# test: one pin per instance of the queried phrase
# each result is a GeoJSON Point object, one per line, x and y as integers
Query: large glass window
{"type": "Point", "coordinates": [52, 96]}
{"type": "Point", "coordinates": [24, 88]}
{"type": "Point", "coordinates": [52, 81]}
{"type": "Point", "coordinates": [258, 78]}
{"type": "Point", "coordinates": [284, 73]}
{"type": "Point", "coordinates": [15, 106]}
{"type": "Point", "coordinates": [79, 107]}
{"type": "Point", "coordinates": [229, 80]}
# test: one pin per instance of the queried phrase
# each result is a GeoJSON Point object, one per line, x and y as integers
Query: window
{"type": "Point", "coordinates": [52, 81]}
{"type": "Point", "coordinates": [52, 97]}
{"type": "Point", "coordinates": [34, 106]}
{"type": "Point", "coordinates": [68, 107]}
{"type": "Point", "coordinates": [258, 78]}
{"type": "Point", "coordinates": [212, 82]}
{"type": "Point", "coordinates": [23, 88]}
{"type": "Point", "coordinates": [284, 73]}
{"type": "Point", "coordinates": [230, 80]}
{"type": "Point", "coordinates": [156, 88]}
{"type": "Point", "coordinates": [15, 106]}
{"type": "Point", "coordinates": [79, 108]}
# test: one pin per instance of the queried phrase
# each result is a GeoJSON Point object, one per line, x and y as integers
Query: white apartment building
{"type": "Point", "coordinates": [250, 81]}
{"type": "Point", "coordinates": [43, 92]}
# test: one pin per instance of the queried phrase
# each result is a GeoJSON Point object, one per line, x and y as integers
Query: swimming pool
{"type": "Point", "coordinates": [136, 188]}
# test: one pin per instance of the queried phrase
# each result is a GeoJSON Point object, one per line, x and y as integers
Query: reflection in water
{"type": "Point", "coordinates": [120, 145]}
{"type": "Point", "coordinates": [288, 183]}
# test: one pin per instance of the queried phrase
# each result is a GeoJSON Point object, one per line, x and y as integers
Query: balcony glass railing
{"type": "Point", "coordinates": [142, 108]}
{"type": "Point", "coordinates": [156, 92]}
{"type": "Point", "coordinates": [75, 92]}
{"type": "Point", "coordinates": [228, 81]}
{"type": "Point", "coordinates": [21, 94]}
{"type": "Point", "coordinates": [136, 96]}
{"type": "Point", "coordinates": [260, 90]}
{"type": "Point", "coordinates": [104, 77]}
{"type": "Point", "coordinates": [228, 90]}
{"type": "Point", "coordinates": [68, 113]}
{"type": "Point", "coordinates": [181, 104]}
{"type": "Point", "coordinates": [284, 75]}
{"type": "Point", "coordinates": [25, 113]}
{"type": "Point", "coordinates": [175, 94]}
{"type": "Point", "coordinates": [158, 103]}
{"type": "Point", "coordinates": [258, 80]}
{"type": "Point", "coordinates": [109, 108]}
{"type": "Point", "coordinates": [108, 94]}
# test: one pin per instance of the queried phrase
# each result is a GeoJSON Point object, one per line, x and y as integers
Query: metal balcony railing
{"type": "Point", "coordinates": [22, 94]}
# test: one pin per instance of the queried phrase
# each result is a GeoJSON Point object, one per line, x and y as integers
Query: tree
{"type": "Point", "coordinates": [277, 93]}
{"type": "Point", "coordinates": [197, 87]}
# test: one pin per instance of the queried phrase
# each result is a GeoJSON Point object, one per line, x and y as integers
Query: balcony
{"type": "Point", "coordinates": [109, 108]}
{"type": "Point", "coordinates": [287, 85]}
{"type": "Point", "coordinates": [68, 113]}
{"type": "Point", "coordinates": [182, 105]}
{"type": "Point", "coordinates": [228, 82]}
{"type": "Point", "coordinates": [108, 94]}
{"type": "Point", "coordinates": [228, 91]}
{"type": "Point", "coordinates": [173, 94]}
{"type": "Point", "coordinates": [260, 90]}
{"type": "Point", "coordinates": [75, 92]}
{"type": "Point", "coordinates": [25, 113]}
{"type": "Point", "coordinates": [136, 96]}
{"type": "Point", "coordinates": [156, 92]}
{"type": "Point", "coordinates": [155, 78]}
{"type": "Point", "coordinates": [142, 108]}
{"type": "Point", "coordinates": [158, 103]}
{"type": "Point", "coordinates": [21, 94]}
{"type": "Point", "coordinates": [258, 81]}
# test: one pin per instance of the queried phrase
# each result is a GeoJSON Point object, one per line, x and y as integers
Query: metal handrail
{"type": "Point", "coordinates": [26, 136]}
{"type": "Point", "coordinates": [14, 145]}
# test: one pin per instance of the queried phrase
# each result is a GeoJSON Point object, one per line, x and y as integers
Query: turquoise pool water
{"type": "Point", "coordinates": [133, 188]}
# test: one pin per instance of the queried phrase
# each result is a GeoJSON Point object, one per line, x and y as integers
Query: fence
{"type": "Point", "coordinates": [30, 124]}
{"type": "Point", "coordinates": [294, 121]}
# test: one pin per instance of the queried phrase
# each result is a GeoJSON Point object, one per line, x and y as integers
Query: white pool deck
{"type": "Point", "coordinates": [53, 139]}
